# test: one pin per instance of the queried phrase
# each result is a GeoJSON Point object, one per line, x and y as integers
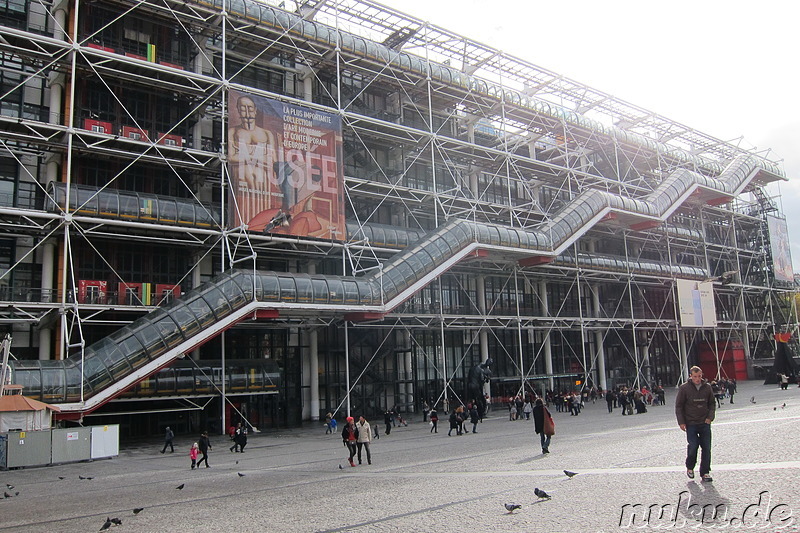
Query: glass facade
{"type": "Point", "coordinates": [481, 220]}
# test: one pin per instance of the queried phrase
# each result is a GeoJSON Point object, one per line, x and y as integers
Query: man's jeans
{"type": "Point", "coordinates": [698, 435]}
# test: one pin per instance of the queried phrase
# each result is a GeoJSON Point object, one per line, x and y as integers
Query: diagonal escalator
{"type": "Point", "coordinates": [82, 384]}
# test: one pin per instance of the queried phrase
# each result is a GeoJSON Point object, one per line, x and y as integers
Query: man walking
{"type": "Point", "coordinates": [168, 436]}
{"type": "Point", "coordinates": [205, 446]}
{"type": "Point", "coordinates": [695, 407]}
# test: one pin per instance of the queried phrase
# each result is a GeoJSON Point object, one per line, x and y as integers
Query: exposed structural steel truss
{"type": "Point", "coordinates": [540, 221]}
{"type": "Point", "coordinates": [147, 345]}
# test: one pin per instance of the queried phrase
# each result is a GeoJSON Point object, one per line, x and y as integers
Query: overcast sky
{"type": "Point", "coordinates": [726, 68]}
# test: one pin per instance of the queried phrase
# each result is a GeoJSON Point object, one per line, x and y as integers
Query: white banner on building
{"type": "Point", "coordinates": [696, 304]}
{"type": "Point", "coordinates": [779, 246]}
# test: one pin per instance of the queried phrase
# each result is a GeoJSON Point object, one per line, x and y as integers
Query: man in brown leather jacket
{"type": "Point", "coordinates": [695, 407]}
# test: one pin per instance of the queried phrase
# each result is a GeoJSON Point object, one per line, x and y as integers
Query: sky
{"type": "Point", "coordinates": [725, 68]}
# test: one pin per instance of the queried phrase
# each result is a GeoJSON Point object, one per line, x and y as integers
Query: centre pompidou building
{"type": "Point", "coordinates": [215, 210]}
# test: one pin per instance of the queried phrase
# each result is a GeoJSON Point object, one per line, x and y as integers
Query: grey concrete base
{"type": "Point", "coordinates": [627, 467]}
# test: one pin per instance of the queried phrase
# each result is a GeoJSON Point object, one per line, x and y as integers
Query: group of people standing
{"type": "Point", "coordinates": [460, 415]}
{"type": "Point", "coordinates": [238, 435]}
{"type": "Point", "coordinates": [392, 417]}
{"type": "Point", "coordinates": [723, 388]}
{"type": "Point", "coordinates": [630, 399]}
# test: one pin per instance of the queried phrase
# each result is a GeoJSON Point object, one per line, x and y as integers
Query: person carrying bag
{"type": "Point", "coordinates": [543, 424]}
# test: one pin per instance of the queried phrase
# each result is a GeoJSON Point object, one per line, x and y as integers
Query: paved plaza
{"type": "Point", "coordinates": [629, 468]}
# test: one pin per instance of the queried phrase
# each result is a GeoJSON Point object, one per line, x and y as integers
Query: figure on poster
{"type": "Point", "coordinates": [285, 164]}
{"type": "Point", "coordinates": [251, 148]}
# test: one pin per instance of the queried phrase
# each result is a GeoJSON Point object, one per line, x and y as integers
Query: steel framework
{"type": "Point", "coordinates": [132, 96]}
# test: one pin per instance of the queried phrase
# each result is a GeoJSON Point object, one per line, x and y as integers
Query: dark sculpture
{"type": "Point", "coordinates": [478, 376]}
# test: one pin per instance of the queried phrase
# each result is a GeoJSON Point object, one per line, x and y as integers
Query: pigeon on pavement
{"type": "Point", "coordinates": [240, 474]}
{"type": "Point", "coordinates": [10, 486]}
{"type": "Point", "coordinates": [752, 399]}
{"type": "Point", "coordinates": [511, 507]}
{"type": "Point", "coordinates": [106, 525]}
{"type": "Point", "coordinates": [570, 474]}
{"type": "Point", "coordinates": [541, 494]}
{"type": "Point", "coordinates": [138, 510]}
{"type": "Point", "coordinates": [180, 487]}
{"type": "Point", "coordinates": [7, 495]}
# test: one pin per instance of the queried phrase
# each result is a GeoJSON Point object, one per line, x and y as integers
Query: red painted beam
{"type": "Point", "coordinates": [536, 260]}
{"type": "Point", "coordinates": [719, 201]}
{"type": "Point", "coordinates": [266, 314]}
{"type": "Point", "coordinates": [363, 316]}
{"type": "Point", "coordinates": [73, 415]}
{"type": "Point", "coordinates": [99, 47]}
{"type": "Point", "coordinates": [480, 253]}
{"type": "Point", "coordinates": [647, 224]}
{"type": "Point", "coordinates": [609, 216]}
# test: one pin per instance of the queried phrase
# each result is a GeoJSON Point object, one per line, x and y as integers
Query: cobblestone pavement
{"type": "Point", "coordinates": [629, 468]}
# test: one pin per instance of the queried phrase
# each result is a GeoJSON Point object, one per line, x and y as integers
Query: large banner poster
{"type": "Point", "coordinates": [696, 304]}
{"type": "Point", "coordinates": [779, 245]}
{"type": "Point", "coordinates": [285, 163]}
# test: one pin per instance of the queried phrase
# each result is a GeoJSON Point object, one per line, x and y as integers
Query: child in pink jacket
{"type": "Point", "coordinates": [193, 454]}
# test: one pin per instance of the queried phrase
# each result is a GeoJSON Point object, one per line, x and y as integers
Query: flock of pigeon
{"type": "Point", "coordinates": [118, 521]}
{"type": "Point", "coordinates": [115, 521]}
{"type": "Point", "coordinates": [540, 494]}
{"type": "Point", "coordinates": [6, 494]}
